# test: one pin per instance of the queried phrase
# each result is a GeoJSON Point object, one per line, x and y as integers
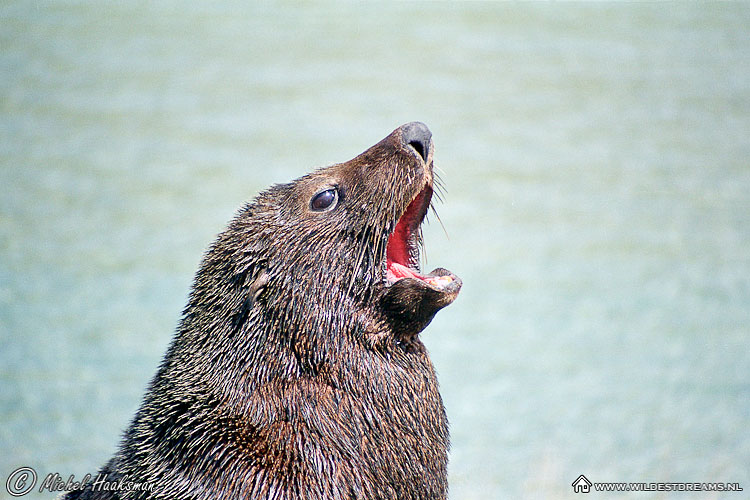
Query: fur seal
{"type": "Point", "coordinates": [297, 371]}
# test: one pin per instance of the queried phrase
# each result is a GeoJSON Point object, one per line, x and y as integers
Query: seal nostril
{"type": "Point", "coordinates": [418, 136]}
{"type": "Point", "coordinates": [420, 149]}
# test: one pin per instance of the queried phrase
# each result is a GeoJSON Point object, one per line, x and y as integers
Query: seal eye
{"type": "Point", "coordinates": [325, 200]}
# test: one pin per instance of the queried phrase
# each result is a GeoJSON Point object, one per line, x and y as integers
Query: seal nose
{"type": "Point", "coordinates": [418, 136]}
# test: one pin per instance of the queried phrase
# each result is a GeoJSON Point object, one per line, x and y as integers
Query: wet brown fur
{"type": "Point", "coordinates": [288, 376]}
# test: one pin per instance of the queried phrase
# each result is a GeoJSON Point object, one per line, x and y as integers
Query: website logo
{"type": "Point", "coordinates": [581, 485]}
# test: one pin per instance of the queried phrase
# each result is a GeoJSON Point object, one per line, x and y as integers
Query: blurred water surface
{"type": "Point", "coordinates": [597, 208]}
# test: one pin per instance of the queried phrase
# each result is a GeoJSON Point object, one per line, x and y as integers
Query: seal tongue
{"type": "Point", "coordinates": [397, 271]}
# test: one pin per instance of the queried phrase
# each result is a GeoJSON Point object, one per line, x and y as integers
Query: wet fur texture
{"type": "Point", "coordinates": [296, 371]}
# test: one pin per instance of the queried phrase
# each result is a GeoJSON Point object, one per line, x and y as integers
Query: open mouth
{"type": "Point", "coordinates": [402, 251]}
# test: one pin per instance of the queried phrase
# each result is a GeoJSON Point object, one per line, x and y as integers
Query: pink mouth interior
{"type": "Point", "coordinates": [399, 262]}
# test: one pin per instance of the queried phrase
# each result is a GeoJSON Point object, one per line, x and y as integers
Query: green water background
{"type": "Point", "coordinates": [596, 158]}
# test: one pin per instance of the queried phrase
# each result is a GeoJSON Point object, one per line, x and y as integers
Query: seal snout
{"type": "Point", "coordinates": [418, 136]}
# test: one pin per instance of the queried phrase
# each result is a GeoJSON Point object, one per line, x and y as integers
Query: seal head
{"type": "Point", "coordinates": [359, 222]}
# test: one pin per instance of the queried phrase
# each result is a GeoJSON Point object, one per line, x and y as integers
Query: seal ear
{"type": "Point", "coordinates": [257, 286]}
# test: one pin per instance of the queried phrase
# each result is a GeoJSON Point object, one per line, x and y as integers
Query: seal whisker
{"type": "Point", "coordinates": [439, 186]}
{"type": "Point", "coordinates": [439, 195]}
{"type": "Point", "coordinates": [421, 245]}
{"type": "Point", "coordinates": [437, 216]}
{"type": "Point", "coordinates": [358, 262]}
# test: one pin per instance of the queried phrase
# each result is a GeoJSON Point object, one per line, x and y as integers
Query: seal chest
{"type": "Point", "coordinates": [297, 370]}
